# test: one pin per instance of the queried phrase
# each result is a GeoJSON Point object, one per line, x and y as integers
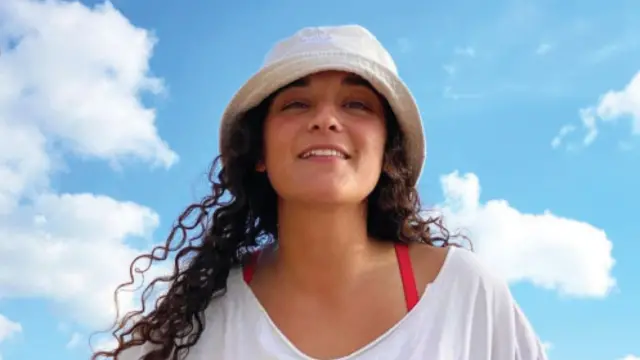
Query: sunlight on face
{"type": "Point", "coordinates": [324, 139]}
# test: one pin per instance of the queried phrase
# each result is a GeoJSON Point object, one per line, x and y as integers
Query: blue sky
{"type": "Point", "coordinates": [109, 115]}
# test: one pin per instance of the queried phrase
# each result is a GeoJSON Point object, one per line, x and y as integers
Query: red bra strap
{"type": "Point", "coordinates": [250, 268]}
{"type": "Point", "coordinates": [406, 272]}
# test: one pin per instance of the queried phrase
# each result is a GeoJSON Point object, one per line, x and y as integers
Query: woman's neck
{"type": "Point", "coordinates": [322, 249]}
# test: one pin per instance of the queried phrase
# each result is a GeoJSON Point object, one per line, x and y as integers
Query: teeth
{"type": "Point", "coordinates": [323, 152]}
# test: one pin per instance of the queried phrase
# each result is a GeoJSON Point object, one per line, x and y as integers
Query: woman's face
{"type": "Point", "coordinates": [324, 139]}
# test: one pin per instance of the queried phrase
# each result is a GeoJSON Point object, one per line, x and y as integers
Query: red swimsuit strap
{"type": "Point", "coordinates": [406, 273]}
{"type": "Point", "coordinates": [404, 263]}
{"type": "Point", "coordinates": [250, 268]}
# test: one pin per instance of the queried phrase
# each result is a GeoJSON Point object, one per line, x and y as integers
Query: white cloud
{"type": "Point", "coordinates": [8, 328]}
{"type": "Point", "coordinates": [71, 80]}
{"type": "Point", "coordinates": [612, 106]}
{"type": "Point", "coordinates": [70, 248]}
{"type": "Point", "coordinates": [622, 103]}
{"type": "Point", "coordinates": [564, 131]}
{"type": "Point", "coordinates": [88, 94]}
{"type": "Point", "coordinates": [74, 341]}
{"type": "Point", "coordinates": [630, 357]}
{"type": "Point", "coordinates": [547, 250]}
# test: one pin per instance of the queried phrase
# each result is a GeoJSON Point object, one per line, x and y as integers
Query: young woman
{"type": "Point", "coordinates": [312, 243]}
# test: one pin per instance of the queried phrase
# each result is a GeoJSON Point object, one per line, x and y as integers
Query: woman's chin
{"type": "Point", "coordinates": [325, 195]}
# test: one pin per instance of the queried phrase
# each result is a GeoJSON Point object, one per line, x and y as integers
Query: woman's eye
{"type": "Point", "coordinates": [294, 105]}
{"type": "Point", "coordinates": [358, 105]}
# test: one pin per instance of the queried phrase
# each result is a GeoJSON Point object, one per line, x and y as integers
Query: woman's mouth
{"type": "Point", "coordinates": [324, 152]}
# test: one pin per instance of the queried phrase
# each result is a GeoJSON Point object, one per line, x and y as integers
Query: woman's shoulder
{"type": "Point", "coordinates": [470, 285]}
{"type": "Point", "coordinates": [456, 268]}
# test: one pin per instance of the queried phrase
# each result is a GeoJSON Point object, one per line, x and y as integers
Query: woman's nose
{"type": "Point", "coordinates": [326, 118]}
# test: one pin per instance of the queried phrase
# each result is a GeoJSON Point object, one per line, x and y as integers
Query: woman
{"type": "Point", "coordinates": [312, 244]}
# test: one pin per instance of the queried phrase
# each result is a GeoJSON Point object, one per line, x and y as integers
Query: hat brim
{"type": "Point", "coordinates": [273, 77]}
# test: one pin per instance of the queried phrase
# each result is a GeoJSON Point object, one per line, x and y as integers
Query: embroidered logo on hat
{"type": "Point", "coordinates": [315, 35]}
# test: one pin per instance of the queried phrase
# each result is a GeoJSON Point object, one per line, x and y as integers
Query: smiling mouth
{"type": "Point", "coordinates": [324, 153]}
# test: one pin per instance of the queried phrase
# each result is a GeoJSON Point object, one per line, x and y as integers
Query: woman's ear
{"type": "Point", "coordinates": [260, 167]}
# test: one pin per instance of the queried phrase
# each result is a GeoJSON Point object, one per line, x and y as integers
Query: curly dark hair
{"type": "Point", "coordinates": [219, 233]}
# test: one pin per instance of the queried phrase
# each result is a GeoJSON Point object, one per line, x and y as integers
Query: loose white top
{"type": "Point", "coordinates": [467, 313]}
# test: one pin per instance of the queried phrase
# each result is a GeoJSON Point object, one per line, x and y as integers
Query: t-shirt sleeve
{"type": "Point", "coordinates": [528, 345]}
{"type": "Point", "coordinates": [514, 337]}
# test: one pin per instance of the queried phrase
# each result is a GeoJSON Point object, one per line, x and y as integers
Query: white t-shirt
{"type": "Point", "coordinates": [465, 314]}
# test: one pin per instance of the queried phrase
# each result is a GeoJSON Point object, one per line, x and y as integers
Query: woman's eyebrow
{"type": "Point", "coordinates": [356, 80]}
{"type": "Point", "coordinates": [303, 82]}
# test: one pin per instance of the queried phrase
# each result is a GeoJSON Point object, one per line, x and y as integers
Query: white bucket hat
{"type": "Point", "coordinates": [349, 48]}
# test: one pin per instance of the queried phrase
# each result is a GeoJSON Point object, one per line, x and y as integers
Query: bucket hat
{"type": "Point", "coordinates": [349, 48]}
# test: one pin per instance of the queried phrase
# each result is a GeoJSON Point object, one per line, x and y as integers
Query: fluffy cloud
{"type": "Point", "coordinates": [8, 328]}
{"type": "Point", "coordinates": [550, 251]}
{"type": "Point", "coordinates": [630, 357]}
{"type": "Point", "coordinates": [71, 79]}
{"type": "Point", "coordinates": [612, 106]}
{"type": "Point", "coordinates": [75, 340]}
{"type": "Point", "coordinates": [70, 248]}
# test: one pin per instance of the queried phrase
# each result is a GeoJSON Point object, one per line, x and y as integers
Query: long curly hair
{"type": "Point", "coordinates": [218, 234]}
